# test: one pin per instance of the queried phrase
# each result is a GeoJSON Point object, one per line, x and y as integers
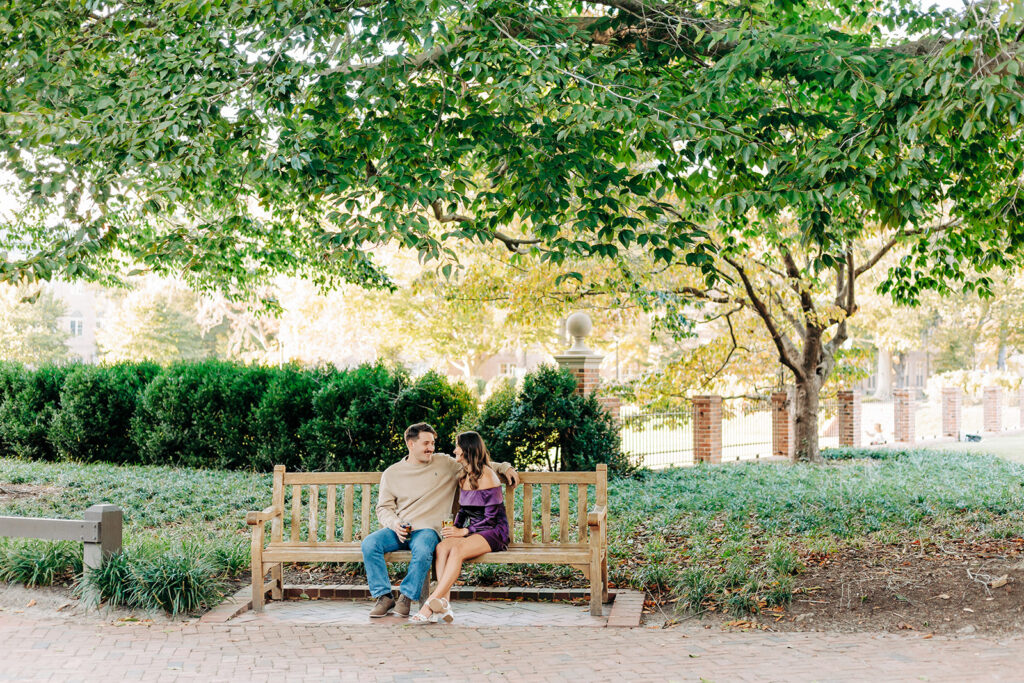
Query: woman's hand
{"type": "Point", "coordinates": [454, 532]}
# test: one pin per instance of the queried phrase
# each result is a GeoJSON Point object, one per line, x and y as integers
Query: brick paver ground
{"type": "Point", "coordinates": [45, 647]}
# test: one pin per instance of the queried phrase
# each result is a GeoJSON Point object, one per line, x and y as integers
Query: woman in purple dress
{"type": "Point", "coordinates": [480, 527]}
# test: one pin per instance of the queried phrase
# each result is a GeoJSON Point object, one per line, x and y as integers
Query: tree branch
{"type": "Point", "coordinates": [512, 243]}
{"type": "Point", "coordinates": [898, 237]}
{"type": "Point", "coordinates": [787, 350]}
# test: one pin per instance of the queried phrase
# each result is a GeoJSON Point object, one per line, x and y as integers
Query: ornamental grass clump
{"type": "Point", "coordinates": [147, 576]}
{"type": "Point", "coordinates": [39, 563]}
{"type": "Point", "coordinates": [178, 583]}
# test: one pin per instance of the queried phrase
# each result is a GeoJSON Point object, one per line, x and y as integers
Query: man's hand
{"type": "Point", "coordinates": [399, 531]}
{"type": "Point", "coordinates": [512, 476]}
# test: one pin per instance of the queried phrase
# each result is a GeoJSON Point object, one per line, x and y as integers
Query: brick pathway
{"type": "Point", "coordinates": [45, 647]}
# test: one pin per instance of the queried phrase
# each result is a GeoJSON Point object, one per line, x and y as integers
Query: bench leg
{"type": "Point", "coordinates": [604, 575]}
{"type": "Point", "coordinates": [257, 568]}
{"type": "Point", "coordinates": [277, 575]}
{"type": "Point", "coordinates": [596, 591]}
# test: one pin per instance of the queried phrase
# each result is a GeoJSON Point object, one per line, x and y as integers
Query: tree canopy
{"type": "Point", "coordinates": [762, 146]}
{"type": "Point", "coordinates": [232, 139]}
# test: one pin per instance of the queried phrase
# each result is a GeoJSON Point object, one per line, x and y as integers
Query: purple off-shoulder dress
{"type": "Point", "coordinates": [482, 511]}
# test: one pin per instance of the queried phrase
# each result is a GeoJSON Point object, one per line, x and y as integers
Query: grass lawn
{"type": "Point", "coordinates": [1010, 447]}
{"type": "Point", "coordinates": [730, 538]}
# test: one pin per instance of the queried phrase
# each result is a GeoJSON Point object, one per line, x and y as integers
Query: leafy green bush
{"type": "Point", "coordinates": [494, 419]}
{"type": "Point", "coordinates": [29, 409]}
{"type": "Point", "coordinates": [199, 415]}
{"type": "Point", "coordinates": [552, 426]}
{"type": "Point", "coordinates": [432, 398]}
{"type": "Point", "coordinates": [39, 563]}
{"type": "Point", "coordinates": [97, 404]}
{"type": "Point", "coordinates": [284, 408]}
{"type": "Point", "coordinates": [354, 427]}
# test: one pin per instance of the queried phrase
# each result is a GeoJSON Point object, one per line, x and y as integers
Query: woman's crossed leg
{"type": "Point", "coordinates": [450, 554]}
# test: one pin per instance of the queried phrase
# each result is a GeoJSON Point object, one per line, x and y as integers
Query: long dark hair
{"type": "Point", "coordinates": [474, 455]}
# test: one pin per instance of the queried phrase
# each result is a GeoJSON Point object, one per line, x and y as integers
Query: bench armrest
{"type": "Point", "coordinates": [597, 516]}
{"type": "Point", "coordinates": [253, 518]}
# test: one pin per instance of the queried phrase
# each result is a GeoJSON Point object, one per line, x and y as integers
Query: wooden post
{"type": "Point", "coordinates": [110, 519]}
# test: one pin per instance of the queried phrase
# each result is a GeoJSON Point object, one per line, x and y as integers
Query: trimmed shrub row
{"type": "Point", "coordinates": [224, 415]}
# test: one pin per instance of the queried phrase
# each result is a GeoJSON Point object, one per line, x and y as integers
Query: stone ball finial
{"type": "Point", "coordinates": [579, 325]}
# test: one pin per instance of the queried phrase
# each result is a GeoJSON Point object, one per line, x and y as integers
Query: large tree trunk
{"type": "Point", "coordinates": [883, 386]}
{"type": "Point", "coordinates": [806, 419]}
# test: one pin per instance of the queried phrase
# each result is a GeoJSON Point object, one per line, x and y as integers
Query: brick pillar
{"type": "Point", "coordinates": [585, 364]}
{"type": "Point", "coordinates": [992, 409]}
{"type": "Point", "coordinates": [585, 368]}
{"type": "Point", "coordinates": [849, 417]}
{"type": "Point", "coordinates": [707, 429]}
{"type": "Point", "coordinates": [903, 415]}
{"type": "Point", "coordinates": [783, 425]}
{"type": "Point", "coordinates": [952, 411]}
{"type": "Point", "coordinates": [612, 405]}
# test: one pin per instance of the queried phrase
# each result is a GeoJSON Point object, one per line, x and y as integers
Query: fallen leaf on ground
{"type": "Point", "coordinates": [1000, 582]}
{"type": "Point", "coordinates": [31, 603]}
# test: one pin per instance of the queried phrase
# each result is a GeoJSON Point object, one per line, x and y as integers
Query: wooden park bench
{"type": "Point", "coordinates": [305, 526]}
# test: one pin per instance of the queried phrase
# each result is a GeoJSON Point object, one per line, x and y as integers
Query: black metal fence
{"type": "Point", "coordinates": [658, 438]}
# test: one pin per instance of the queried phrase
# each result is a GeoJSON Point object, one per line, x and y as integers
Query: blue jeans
{"type": "Point", "coordinates": [422, 543]}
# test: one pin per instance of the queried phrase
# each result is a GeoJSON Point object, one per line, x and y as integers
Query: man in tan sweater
{"type": "Point", "coordinates": [418, 491]}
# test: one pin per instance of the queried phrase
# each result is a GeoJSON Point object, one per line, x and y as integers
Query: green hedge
{"type": "Point", "coordinates": [223, 415]}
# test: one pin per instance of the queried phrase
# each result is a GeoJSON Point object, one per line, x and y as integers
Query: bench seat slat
{"type": "Point", "coordinates": [554, 554]}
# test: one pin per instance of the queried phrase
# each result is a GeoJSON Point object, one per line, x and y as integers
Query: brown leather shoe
{"type": "Point", "coordinates": [403, 605]}
{"type": "Point", "coordinates": [385, 603]}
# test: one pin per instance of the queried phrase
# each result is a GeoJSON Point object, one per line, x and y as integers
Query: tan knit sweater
{"type": "Point", "coordinates": [421, 494]}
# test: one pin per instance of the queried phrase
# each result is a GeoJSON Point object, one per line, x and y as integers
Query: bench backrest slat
{"type": "Point", "coordinates": [366, 510]}
{"type": "Point", "coordinates": [277, 526]}
{"type": "Point", "coordinates": [563, 513]}
{"type": "Point", "coordinates": [332, 501]}
{"type": "Point", "coordinates": [307, 478]}
{"type": "Point", "coordinates": [314, 511]}
{"type": "Point", "coordinates": [527, 513]}
{"type": "Point", "coordinates": [581, 510]}
{"type": "Point", "coordinates": [350, 494]}
{"type": "Point", "coordinates": [296, 509]}
{"type": "Point", "coordinates": [564, 481]}
{"type": "Point", "coordinates": [545, 513]}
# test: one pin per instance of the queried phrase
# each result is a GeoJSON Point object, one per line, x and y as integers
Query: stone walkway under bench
{"type": "Point", "coordinates": [468, 615]}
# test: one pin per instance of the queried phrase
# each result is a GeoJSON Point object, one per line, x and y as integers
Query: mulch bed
{"type": "Point", "coordinates": [954, 588]}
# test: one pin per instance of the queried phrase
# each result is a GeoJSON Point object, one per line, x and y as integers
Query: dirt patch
{"type": "Point", "coordinates": [954, 588]}
{"type": "Point", "coordinates": [9, 492]}
{"type": "Point", "coordinates": [957, 587]}
{"type": "Point", "coordinates": [58, 603]}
